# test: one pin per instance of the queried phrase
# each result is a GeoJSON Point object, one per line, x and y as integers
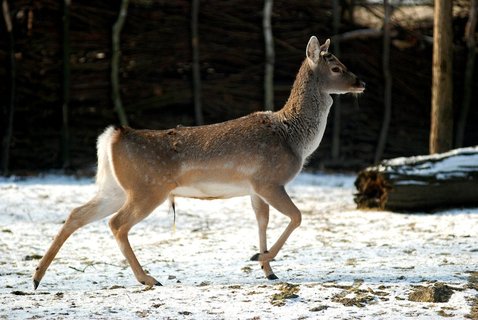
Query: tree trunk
{"type": "Point", "coordinates": [115, 60]}
{"type": "Point", "coordinates": [469, 70]}
{"type": "Point", "coordinates": [195, 67]}
{"type": "Point", "coordinates": [10, 106]}
{"type": "Point", "coordinates": [441, 135]}
{"type": "Point", "coordinates": [270, 56]}
{"type": "Point", "coordinates": [387, 77]}
{"type": "Point", "coordinates": [422, 183]}
{"type": "Point", "coordinates": [65, 130]}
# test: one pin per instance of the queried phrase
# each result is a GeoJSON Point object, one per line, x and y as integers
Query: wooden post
{"type": "Point", "coordinates": [195, 67]}
{"type": "Point", "coordinates": [116, 53]}
{"type": "Point", "coordinates": [441, 133]}
{"type": "Point", "coordinates": [270, 56]}
{"type": "Point", "coordinates": [65, 131]}
{"type": "Point", "coordinates": [10, 109]}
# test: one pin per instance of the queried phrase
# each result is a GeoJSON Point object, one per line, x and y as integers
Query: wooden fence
{"type": "Point", "coordinates": [156, 75]}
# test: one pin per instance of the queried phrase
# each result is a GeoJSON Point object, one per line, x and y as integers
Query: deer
{"type": "Point", "coordinates": [255, 155]}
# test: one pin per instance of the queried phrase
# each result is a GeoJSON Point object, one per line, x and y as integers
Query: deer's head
{"type": "Point", "coordinates": [332, 75]}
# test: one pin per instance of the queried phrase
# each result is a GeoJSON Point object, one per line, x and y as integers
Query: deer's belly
{"type": "Point", "coordinates": [212, 190]}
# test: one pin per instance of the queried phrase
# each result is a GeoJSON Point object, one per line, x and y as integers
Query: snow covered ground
{"type": "Point", "coordinates": [340, 264]}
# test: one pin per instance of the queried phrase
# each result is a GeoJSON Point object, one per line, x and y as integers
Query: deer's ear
{"type": "Point", "coordinates": [325, 46]}
{"type": "Point", "coordinates": [313, 51]}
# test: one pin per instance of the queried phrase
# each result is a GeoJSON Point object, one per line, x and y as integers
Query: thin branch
{"type": "Point", "coordinates": [469, 72]}
{"type": "Point", "coordinates": [337, 102]}
{"type": "Point", "coordinates": [116, 95]}
{"type": "Point", "coordinates": [270, 56]}
{"type": "Point", "coordinates": [195, 67]}
{"type": "Point", "coordinates": [6, 16]}
{"type": "Point", "coordinates": [10, 109]}
{"type": "Point", "coordinates": [358, 34]}
{"type": "Point", "coordinates": [65, 132]}
{"type": "Point", "coordinates": [388, 83]}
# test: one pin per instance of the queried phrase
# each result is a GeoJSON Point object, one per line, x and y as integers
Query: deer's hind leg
{"type": "Point", "coordinates": [261, 209]}
{"type": "Point", "coordinates": [101, 206]}
{"type": "Point", "coordinates": [136, 208]}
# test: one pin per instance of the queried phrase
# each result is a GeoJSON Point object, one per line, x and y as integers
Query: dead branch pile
{"type": "Point", "coordinates": [421, 183]}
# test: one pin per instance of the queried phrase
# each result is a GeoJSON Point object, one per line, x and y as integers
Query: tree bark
{"type": "Point", "coordinates": [441, 135]}
{"type": "Point", "coordinates": [65, 130]}
{"type": "Point", "coordinates": [469, 71]}
{"type": "Point", "coordinates": [115, 59]}
{"type": "Point", "coordinates": [270, 56]}
{"type": "Point", "coordinates": [387, 77]}
{"type": "Point", "coordinates": [195, 67]}
{"type": "Point", "coordinates": [423, 183]}
{"type": "Point", "coordinates": [10, 107]}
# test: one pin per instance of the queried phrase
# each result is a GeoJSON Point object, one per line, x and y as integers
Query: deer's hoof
{"type": "Point", "coordinates": [255, 257]}
{"type": "Point", "coordinates": [272, 277]}
{"type": "Point", "coordinates": [150, 282]}
{"type": "Point", "coordinates": [36, 283]}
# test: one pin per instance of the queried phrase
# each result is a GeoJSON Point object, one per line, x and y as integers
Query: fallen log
{"type": "Point", "coordinates": [421, 183]}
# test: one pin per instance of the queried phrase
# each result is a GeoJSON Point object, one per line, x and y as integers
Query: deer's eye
{"type": "Point", "coordinates": [336, 69]}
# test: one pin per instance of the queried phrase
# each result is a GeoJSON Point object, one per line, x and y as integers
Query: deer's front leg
{"type": "Point", "coordinates": [261, 210]}
{"type": "Point", "coordinates": [277, 197]}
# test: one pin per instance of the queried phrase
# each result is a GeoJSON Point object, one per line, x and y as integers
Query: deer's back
{"type": "Point", "coordinates": [216, 161]}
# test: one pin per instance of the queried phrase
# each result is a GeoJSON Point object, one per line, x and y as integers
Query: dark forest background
{"type": "Point", "coordinates": [156, 73]}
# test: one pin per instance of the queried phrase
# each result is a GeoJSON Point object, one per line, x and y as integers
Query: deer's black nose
{"type": "Point", "coordinates": [359, 83]}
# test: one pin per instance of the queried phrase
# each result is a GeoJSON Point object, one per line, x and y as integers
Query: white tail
{"type": "Point", "coordinates": [256, 155]}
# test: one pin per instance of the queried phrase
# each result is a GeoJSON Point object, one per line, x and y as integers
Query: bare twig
{"type": "Point", "coordinates": [90, 264]}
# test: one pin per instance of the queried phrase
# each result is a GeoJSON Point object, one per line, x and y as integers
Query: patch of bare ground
{"type": "Point", "coordinates": [286, 291]}
{"type": "Point", "coordinates": [353, 295]}
{"type": "Point", "coordinates": [473, 284]}
{"type": "Point", "coordinates": [438, 292]}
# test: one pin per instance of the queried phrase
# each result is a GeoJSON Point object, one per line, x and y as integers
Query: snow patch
{"type": "Point", "coordinates": [464, 160]}
{"type": "Point", "coordinates": [346, 263]}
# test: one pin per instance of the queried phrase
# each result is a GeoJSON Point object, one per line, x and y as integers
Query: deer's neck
{"type": "Point", "coordinates": [305, 112]}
